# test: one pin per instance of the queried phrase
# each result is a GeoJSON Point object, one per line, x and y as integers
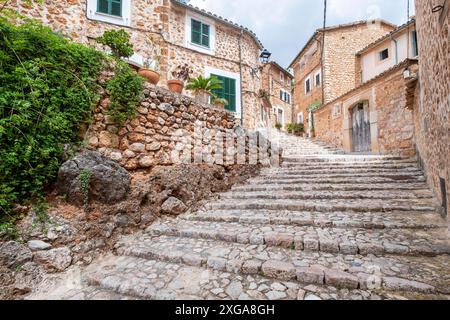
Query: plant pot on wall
{"type": "Point", "coordinates": [175, 85]}
{"type": "Point", "coordinates": [151, 76]}
{"type": "Point", "coordinates": [203, 97]}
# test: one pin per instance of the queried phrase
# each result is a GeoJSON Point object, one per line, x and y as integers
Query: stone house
{"type": "Point", "coordinates": [376, 115]}
{"type": "Point", "coordinates": [432, 96]}
{"type": "Point", "coordinates": [210, 44]}
{"type": "Point", "coordinates": [323, 75]}
{"type": "Point", "coordinates": [277, 86]}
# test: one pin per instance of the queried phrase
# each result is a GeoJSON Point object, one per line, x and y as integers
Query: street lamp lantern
{"type": "Point", "coordinates": [265, 56]}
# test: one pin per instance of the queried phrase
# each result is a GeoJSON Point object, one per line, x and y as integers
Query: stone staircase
{"type": "Point", "coordinates": [324, 225]}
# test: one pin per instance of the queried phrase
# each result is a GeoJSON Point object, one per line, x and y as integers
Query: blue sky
{"type": "Point", "coordinates": [284, 26]}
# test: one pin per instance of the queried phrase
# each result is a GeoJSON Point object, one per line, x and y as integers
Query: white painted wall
{"type": "Point", "coordinates": [370, 62]}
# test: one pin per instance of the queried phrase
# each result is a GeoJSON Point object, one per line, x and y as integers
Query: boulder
{"type": "Point", "coordinates": [54, 260]}
{"type": "Point", "coordinates": [14, 254]}
{"type": "Point", "coordinates": [173, 206]}
{"type": "Point", "coordinates": [109, 182]}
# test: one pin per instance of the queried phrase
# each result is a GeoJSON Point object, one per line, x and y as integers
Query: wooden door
{"type": "Point", "coordinates": [361, 128]}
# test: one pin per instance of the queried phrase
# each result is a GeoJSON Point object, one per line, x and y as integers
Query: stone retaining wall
{"type": "Point", "coordinates": [172, 129]}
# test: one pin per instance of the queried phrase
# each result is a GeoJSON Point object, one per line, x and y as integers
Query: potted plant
{"type": "Point", "coordinates": [219, 102]}
{"type": "Point", "coordinates": [150, 71]}
{"type": "Point", "coordinates": [203, 87]}
{"type": "Point", "coordinates": [181, 75]}
{"type": "Point", "coordinates": [290, 127]}
{"type": "Point", "coordinates": [278, 126]}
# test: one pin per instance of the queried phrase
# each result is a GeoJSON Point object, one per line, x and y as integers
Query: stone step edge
{"type": "Point", "coordinates": [299, 222]}
{"type": "Point", "coordinates": [243, 196]}
{"type": "Point", "coordinates": [285, 271]}
{"type": "Point", "coordinates": [308, 244]}
{"type": "Point", "coordinates": [308, 188]}
{"type": "Point", "coordinates": [315, 207]}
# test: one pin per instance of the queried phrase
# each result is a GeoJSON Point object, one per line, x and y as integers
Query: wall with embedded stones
{"type": "Point", "coordinates": [174, 129]}
{"type": "Point", "coordinates": [432, 107]}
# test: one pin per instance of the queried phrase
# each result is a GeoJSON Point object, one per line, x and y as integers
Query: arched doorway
{"type": "Point", "coordinates": [361, 138]}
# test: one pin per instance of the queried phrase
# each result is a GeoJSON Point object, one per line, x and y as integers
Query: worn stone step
{"type": "Point", "coordinates": [396, 176]}
{"type": "Point", "coordinates": [328, 187]}
{"type": "Point", "coordinates": [416, 274]}
{"type": "Point", "coordinates": [362, 205]}
{"type": "Point", "coordinates": [314, 161]}
{"type": "Point", "coordinates": [324, 239]}
{"type": "Point", "coordinates": [354, 171]}
{"type": "Point", "coordinates": [347, 159]}
{"type": "Point", "coordinates": [343, 180]}
{"type": "Point", "coordinates": [320, 195]}
{"type": "Point", "coordinates": [344, 166]}
{"type": "Point", "coordinates": [367, 220]}
{"type": "Point", "coordinates": [174, 278]}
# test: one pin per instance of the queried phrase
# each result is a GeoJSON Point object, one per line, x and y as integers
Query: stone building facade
{"type": "Point", "coordinates": [277, 88]}
{"type": "Point", "coordinates": [208, 43]}
{"type": "Point", "coordinates": [385, 120]}
{"type": "Point", "coordinates": [432, 107]}
{"type": "Point", "coordinates": [316, 82]}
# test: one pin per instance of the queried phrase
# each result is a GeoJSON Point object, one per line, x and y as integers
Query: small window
{"type": "Point", "coordinates": [308, 85]}
{"type": "Point", "coordinates": [281, 94]}
{"type": "Point", "coordinates": [384, 54]}
{"type": "Point", "coordinates": [111, 7]}
{"type": "Point", "coordinates": [282, 77]}
{"type": "Point", "coordinates": [300, 118]}
{"type": "Point", "coordinates": [318, 82]}
{"type": "Point", "coordinates": [200, 33]}
{"type": "Point", "coordinates": [262, 113]}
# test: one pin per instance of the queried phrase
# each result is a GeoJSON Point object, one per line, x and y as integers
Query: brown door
{"type": "Point", "coordinates": [361, 128]}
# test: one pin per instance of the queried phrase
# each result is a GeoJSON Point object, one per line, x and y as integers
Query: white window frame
{"type": "Point", "coordinates": [124, 20]}
{"type": "Point", "coordinates": [281, 77]}
{"type": "Point", "coordinates": [310, 85]}
{"type": "Point", "coordinates": [380, 57]}
{"type": "Point", "coordinates": [232, 75]}
{"type": "Point", "coordinates": [300, 117]}
{"type": "Point", "coordinates": [414, 44]}
{"type": "Point", "coordinates": [318, 73]}
{"type": "Point", "coordinates": [212, 33]}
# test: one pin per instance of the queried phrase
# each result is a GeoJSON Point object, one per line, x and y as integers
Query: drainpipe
{"type": "Point", "coordinates": [396, 49]}
{"type": "Point", "coordinates": [240, 72]}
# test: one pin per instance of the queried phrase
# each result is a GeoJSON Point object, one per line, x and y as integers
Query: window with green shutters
{"type": "Point", "coordinates": [227, 92]}
{"type": "Point", "coordinates": [112, 7]}
{"type": "Point", "coordinates": [200, 33]}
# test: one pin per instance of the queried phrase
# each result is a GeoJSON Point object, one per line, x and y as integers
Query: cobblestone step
{"type": "Point", "coordinates": [343, 180]}
{"type": "Point", "coordinates": [328, 187]}
{"type": "Point", "coordinates": [401, 176]}
{"type": "Point", "coordinates": [308, 238]}
{"type": "Point", "coordinates": [355, 171]}
{"type": "Point", "coordinates": [317, 195]}
{"type": "Point", "coordinates": [368, 220]}
{"type": "Point", "coordinates": [147, 279]}
{"type": "Point", "coordinates": [360, 205]}
{"type": "Point", "coordinates": [348, 159]}
{"type": "Point", "coordinates": [345, 166]}
{"type": "Point", "coordinates": [417, 274]}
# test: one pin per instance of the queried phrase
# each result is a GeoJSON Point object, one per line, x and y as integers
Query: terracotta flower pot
{"type": "Point", "coordinates": [175, 85]}
{"type": "Point", "coordinates": [151, 76]}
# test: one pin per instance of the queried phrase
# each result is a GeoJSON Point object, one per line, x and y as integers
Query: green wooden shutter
{"type": "Point", "coordinates": [227, 92]}
{"type": "Point", "coordinates": [112, 7]}
{"type": "Point", "coordinates": [200, 33]}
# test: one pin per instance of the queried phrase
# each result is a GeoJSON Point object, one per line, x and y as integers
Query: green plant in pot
{"type": "Point", "coordinates": [278, 126]}
{"type": "Point", "coordinates": [219, 102]}
{"type": "Point", "coordinates": [203, 87]}
{"type": "Point", "coordinates": [119, 43]}
{"type": "Point", "coordinates": [151, 68]}
{"type": "Point", "coordinates": [181, 75]}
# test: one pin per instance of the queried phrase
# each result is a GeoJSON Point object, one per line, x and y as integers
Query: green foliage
{"type": "Point", "coordinates": [125, 91]}
{"type": "Point", "coordinates": [202, 84]}
{"type": "Point", "coordinates": [295, 128]}
{"type": "Point", "coordinates": [12, 14]}
{"type": "Point", "coordinates": [278, 126]}
{"type": "Point", "coordinates": [85, 180]}
{"type": "Point", "coordinates": [8, 229]}
{"type": "Point", "coordinates": [48, 89]}
{"type": "Point", "coordinates": [219, 101]}
{"type": "Point", "coordinates": [119, 43]}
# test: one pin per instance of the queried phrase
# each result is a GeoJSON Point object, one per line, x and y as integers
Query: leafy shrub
{"type": "Point", "coordinates": [125, 93]}
{"type": "Point", "coordinates": [48, 89]}
{"type": "Point", "coordinates": [119, 43]}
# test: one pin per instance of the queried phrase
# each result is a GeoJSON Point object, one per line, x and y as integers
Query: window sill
{"type": "Point", "coordinates": [106, 15]}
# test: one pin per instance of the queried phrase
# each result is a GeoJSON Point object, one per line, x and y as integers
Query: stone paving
{"type": "Point", "coordinates": [323, 226]}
